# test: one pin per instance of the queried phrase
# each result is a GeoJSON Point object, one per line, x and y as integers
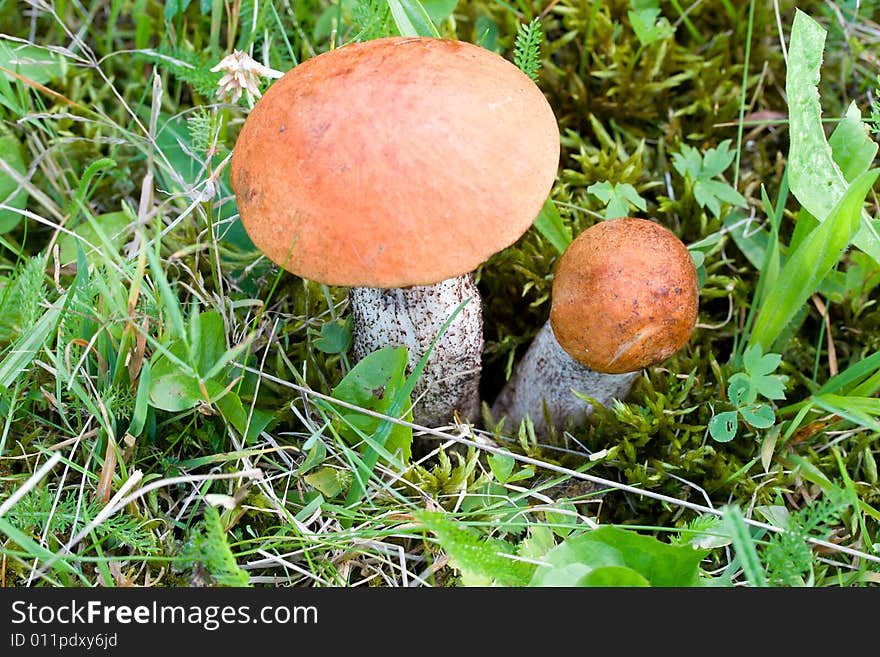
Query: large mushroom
{"type": "Point", "coordinates": [625, 296]}
{"type": "Point", "coordinates": [395, 167]}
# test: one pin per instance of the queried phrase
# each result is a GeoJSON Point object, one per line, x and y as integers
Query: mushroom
{"type": "Point", "coordinates": [625, 296]}
{"type": "Point", "coordinates": [395, 167]}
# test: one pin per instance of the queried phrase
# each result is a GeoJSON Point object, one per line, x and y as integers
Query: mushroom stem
{"type": "Point", "coordinates": [542, 384]}
{"type": "Point", "coordinates": [412, 317]}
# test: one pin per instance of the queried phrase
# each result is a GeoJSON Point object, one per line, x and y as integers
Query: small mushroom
{"type": "Point", "coordinates": [625, 296]}
{"type": "Point", "coordinates": [395, 167]}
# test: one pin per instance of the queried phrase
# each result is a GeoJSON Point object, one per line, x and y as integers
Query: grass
{"type": "Point", "coordinates": [170, 403]}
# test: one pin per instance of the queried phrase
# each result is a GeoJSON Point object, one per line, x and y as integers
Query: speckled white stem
{"type": "Point", "coordinates": [542, 383]}
{"type": "Point", "coordinates": [412, 317]}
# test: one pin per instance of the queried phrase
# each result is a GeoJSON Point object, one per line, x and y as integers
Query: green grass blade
{"type": "Point", "coordinates": [412, 19]}
{"type": "Point", "coordinates": [813, 260]}
{"type": "Point", "coordinates": [38, 551]}
{"type": "Point", "coordinates": [25, 348]}
{"type": "Point", "coordinates": [744, 546]}
{"type": "Point", "coordinates": [549, 223]}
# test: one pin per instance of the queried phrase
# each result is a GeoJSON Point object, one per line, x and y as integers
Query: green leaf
{"type": "Point", "coordinates": [851, 146]}
{"type": "Point", "coordinates": [549, 223]}
{"type": "Point", "coordinates": [760, 416]}
{"type": "Point", "coordinates": [688, 162]}
{"type": "Point", "coordinates": [740, 390]}
{"type": "Point", "coordinates": [716, 160]}
{"type": "Point", "coordinates": [753, 242]}
{"type": "Point", "coordinates": [646, 26]}
{"type": "Point", "coordinates": [412, 19]}
{"type": "Point", "coordinates": [330, 481]}
{"type": "Point", "coordinates": [10, 153]}
{"type": "Point", "coordinates": [248, 424]}
{"type": "Point", "coordinates": [527, 48]}
{"type": "Point", "coordinates": [723, 426]}
{"type": "Point", "coordinates": [759, 367]}
{"type": "Point", "coordinates": [210, 345]}
{"type": "Point", "coordinates": [618, 198]}
{"type": "Point", "coordinates": [815, 179]}
{"type": "Point", "coordinates": [502, 466]}
{"type": "Point", "coordinates": [735, 526]}
{"type": "Point", "coordinates": [113, 224]}
{"type": "Point", "coordinates": [815, 257]}
{"type": "Point", "coordinates": [20, 354]}
{"type": "Point", "coordinates": [36, 64]}
{"type": "Point", "coordinates": [335, 337]}
{"type": "Point", "coordinates": [141, 402]}
{"type": "Point", "coordinates": [755, 362]}
{"type": "Point", "coordinates": [487, 33]}
{"type": "Point", "coordinates": [573, 561]}
{"type": "Point", "coordinates": [618, 576]}
{"type": "Point", "coordinates": [701, 169]}
{"type": "Point", "coordinates": [175, 387]}
{"type": "Point", "coordinates": [477, 554]}
{"type": "Point", "coordinates": [439, 10]}
{"type": "Point", "coordinates": [372, 384]}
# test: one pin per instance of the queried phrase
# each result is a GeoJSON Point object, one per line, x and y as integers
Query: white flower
{"type": "Point", "coordinates": [242, 75]}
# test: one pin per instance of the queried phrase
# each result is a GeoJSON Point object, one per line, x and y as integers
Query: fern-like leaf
{"type": "Point", "coordinates": [209, 551]}
{"type": "Point", "coordinates": [527, 48]}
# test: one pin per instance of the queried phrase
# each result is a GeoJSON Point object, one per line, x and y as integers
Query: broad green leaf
{"type": "Point", "coordinates": [114, 225]}
{"type": "Point", "coordinates": [210, 346]}
{"type": "Point", "coordinates": [439, 10]}
{"type": "Point", "coordinates": [617, 576]}
{"type": "Point", "coordinates": [335, 337]}
{"type": "Point", "coordinates": [617, 198]}
{"type": "Point", "coordinates": [174, 390]}
{"type": "Point", "coordinates": [372, 384]}
{"type": "Point", "coordinates": [740, 390]}
{"type": "Point", "coordinates": [815, 179]}
{"type": "Point", "coordinates": [716, 160]}
{"type": "Point", "coordinates": [36, 64]}
{"type": "Point", "coordinates": [248, 424]}
{"type": "Point", "coordinates": [412, 19]}
{"type": "Point", "coordinates": [549, 223]}
{"type": "Point", "coordinates": [174, 387]}
{"type": "Point", "coordinates": [10, 153]}
{"type": "Point", "coordinates": [755, 362]}
{"type": "Point", "coordinates": [501, 466]}
{"type": "Point", "coordinates": [315, 457]}
{"type": "Point", "coordinates": [760, 416]}
{"type": "Point", "coordinates": [851, 146]}
{"type": "Point", "coordinates": [818, 254]}
{"type": "Point", "coordinates": [646, 26]}
{"type": "Point", "coordinates": [660, 564]}
{"type": "Point", "coordinates": [330, 481]}
{"type": "Point", "coordinates": [486, 33]}
{"type": "Point", "coordinates": [723, 426]}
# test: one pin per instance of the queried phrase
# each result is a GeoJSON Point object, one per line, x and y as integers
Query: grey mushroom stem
{"type": "Point", "coordinates": [412, 317]}
{"type": "Point", "coordinates": [542, 387]}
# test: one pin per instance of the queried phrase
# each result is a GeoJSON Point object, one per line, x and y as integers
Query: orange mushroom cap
{"type": "Point", "coordinates": [625, 296]}
{"type": "Point", "coordinates": [394, 162]}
